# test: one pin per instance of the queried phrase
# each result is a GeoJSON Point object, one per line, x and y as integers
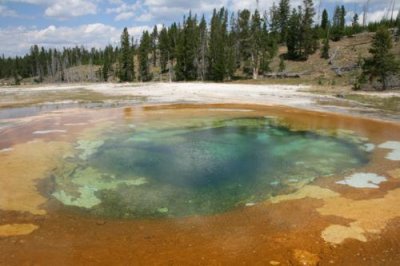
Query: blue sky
{"type": "Point", "coordinates": [96, 23]}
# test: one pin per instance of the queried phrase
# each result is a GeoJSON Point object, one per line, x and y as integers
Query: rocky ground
{"type": "Point", "coordinates": [382, 105]}
{"type": "Point", "coordinates": [335, 220]}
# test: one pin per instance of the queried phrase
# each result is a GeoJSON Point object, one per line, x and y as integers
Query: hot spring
{"type": "Point", "coordinates": [201, 165]}
{"type": "Point", "coordinates": [207, 183]}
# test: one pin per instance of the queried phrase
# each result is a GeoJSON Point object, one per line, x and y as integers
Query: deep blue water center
{"type": "Point", "coordinates": [209, 168]}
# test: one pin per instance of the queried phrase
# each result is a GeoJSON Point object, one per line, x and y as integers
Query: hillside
{"type": "Point", "coordinates": [340, 70]}
{"type": "Point", "coordinates": [318, 71]}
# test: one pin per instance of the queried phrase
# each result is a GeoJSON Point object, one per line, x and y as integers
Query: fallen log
{"type": "Point", "coordinates": [340, 70]}
{"type": "Point", "coordinates": [282, 75]}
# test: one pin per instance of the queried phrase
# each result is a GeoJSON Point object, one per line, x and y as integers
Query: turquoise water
{"type": "Point", "coordinates": [163, 170]}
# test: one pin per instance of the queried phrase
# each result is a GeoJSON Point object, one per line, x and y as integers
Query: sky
{"type": "Point", "coordinates": [97, 23]}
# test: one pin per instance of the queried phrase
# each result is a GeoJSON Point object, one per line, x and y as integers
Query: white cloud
{"type": "Point", "coordinates": [34, 2]}
{"type": "Point", "coordinates": [374, 6]}
{"type": "Point", "coordinates": [173, 10]}
{"type": "Point", "coordinates": [124, 16]}
{"type": "Point", "coordinates": [170, 9]}
{"type": "Point", "coordinates": [136, 32]}
{"type": "Point", "coordinates": [358, 1]}
{"type": "Point", "coordinates": [162, 10]}
{"type": "Point", "coordinates": [91, 35]}
{"type": "Point", "coordinates": [377, 15]}
{"type": "Point", "coordinates": [251, 4]}
{"type": "Point", "coordinates": [186, 4]}
{"type": "Point", "coordinates": [115, 2]}
{"type": "Point", "coordinates": [145, 17]}
{"type": "Point", "coordinates": [134, 11]}
{"type": "Point", "coordinates": [6, 12]}
{"type": "Point", "coordinates": [71, 8]}
{"type": "Point", "coordinates": [125, 11]}
{"type": "Point", "coordinates": [64, 8]}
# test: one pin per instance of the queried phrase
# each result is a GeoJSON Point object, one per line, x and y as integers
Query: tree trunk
{"type": "Point", "coordinates": [255, 62]}
{"type": "Point", "coordinates": [255, 73]}
{"type": "Point", "coordinates": [384, 85]}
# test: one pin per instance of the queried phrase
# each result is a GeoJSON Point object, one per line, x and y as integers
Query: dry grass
{"type": "Point", "coordinates": [79, 95]}
{"type": "Point", "coordinates": [391, 104]}
{"type": "Point", "coordinates": [318, 71]}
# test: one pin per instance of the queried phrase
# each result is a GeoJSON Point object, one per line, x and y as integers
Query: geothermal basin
{"type": "Point", "coordinates": [198, 184]}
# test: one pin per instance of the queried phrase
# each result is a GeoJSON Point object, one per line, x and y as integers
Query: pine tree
{"type": "Point", "coordinates": [145, 48]}
{"type": "Point", "coordinates": [180, 54]}
{"type": "Point", "coordinates": [342, 18]}
{"type": "Point", "coordinates": [274, 21]}
{"type": "Point", "coordinates": [192, 42]}
{"type": "Point", "coordinates": [2, 68]}
{"type": "Point", "coordinates": [324, 20]}
{"type": "Point", "coordinates": [17, 80]}
{"type": "Point", "coordinates": [244, 38]}
{"type": "Point", "coordinates": [218, 32]}
{"type": "Point", "coordinates": [202, 49]}
{"type": "Point", "coordinates": [382, 64]}
{"type": "Point", "coordinates": [398, 26]}
{"type": "Point", "coordinates": [355, 24]}
{"type": "Point", "coordinates": [338, 24]}
{"type": "Point", "coordinates": [42, 64]}
{"type": "Point", "coordinates": [256, 43]}
{"type": "Point", "coordinates": [36, 63]}
{"type": "Point", "coordinates": [303, 37]}
{"type": "Point", "coordinates": [232, 49]}
{"type": "Point", "coordinates": [154, 38]}
{"type": "Point", "coordinates": [325, 48]}
{"type": "Point", "coordinates": [282, 65]}
{"type": "Point", "coordinates": [294, 34]}
{"type": "Point", "coordinates": [164, 47]}
{"type": "Point", "coordinates": [107, 61]}
{"type": "Point", "coordinates": [186, 52]}
{"type": "Point", "coordinates": [173, 34]}
{"type": "Point", "coordinates": [269, 48]}
{"type": "Point", "coordinates": [284, 13]}
{"type": "Point", "coordinates": [126, 70]}
{"type": "Point", "coordinates": [307, 28]}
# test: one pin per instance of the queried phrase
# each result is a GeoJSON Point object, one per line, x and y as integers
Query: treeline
{"type": "Point", "coordinates": [197, 50]}
{"type": "Point", "coordinates": [53, 64]}
{"type": "Point", "coordinates": [382, 66]}
{"type": "Point", "coordinates": [229, 46]}
{"type": "Point", "coordinates": [238, 45]}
